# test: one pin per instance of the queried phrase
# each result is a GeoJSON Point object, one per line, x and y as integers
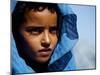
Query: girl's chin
{"type": "Point", "coordinates": [43, 60]}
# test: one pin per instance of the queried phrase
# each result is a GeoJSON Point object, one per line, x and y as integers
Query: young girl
{"type": "Point", "coordinates": [39, 38]}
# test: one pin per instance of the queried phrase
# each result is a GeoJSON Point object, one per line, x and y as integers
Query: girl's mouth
{"type": "Point", "coordinates": [45, 52]}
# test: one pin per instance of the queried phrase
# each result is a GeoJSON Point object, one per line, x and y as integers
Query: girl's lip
{"type": "Point", "coordinates": [45, 52]}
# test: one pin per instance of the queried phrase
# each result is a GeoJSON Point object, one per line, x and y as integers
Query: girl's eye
{"type": "Point", "coordinates": [53, 30]}
{"type": "Point", "coordinates": [35, 30]}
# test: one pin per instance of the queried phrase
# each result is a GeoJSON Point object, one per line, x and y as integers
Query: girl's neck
{"type": "Point", "coordinates": [39, 67]}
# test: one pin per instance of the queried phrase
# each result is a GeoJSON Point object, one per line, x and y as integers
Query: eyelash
{"type": "Point", "coordinates": [37, 31]}
{"type": "Point", "coordinates": [53, 30]}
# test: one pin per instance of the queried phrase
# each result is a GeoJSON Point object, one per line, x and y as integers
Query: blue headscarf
{"type": "Point", "coordinates": [62, 58]}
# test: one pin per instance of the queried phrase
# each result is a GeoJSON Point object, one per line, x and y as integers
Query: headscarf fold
{"type": "Point", "coordinates": [62, 57]}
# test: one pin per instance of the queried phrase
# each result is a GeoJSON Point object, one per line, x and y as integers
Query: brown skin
{"type": "Point", "coordinates": [39, 31]}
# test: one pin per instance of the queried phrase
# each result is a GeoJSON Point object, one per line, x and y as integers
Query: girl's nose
{"type": "Point", "coordinates": [46, 39]}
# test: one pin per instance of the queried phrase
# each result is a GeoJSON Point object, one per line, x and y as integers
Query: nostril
{"type": "Point", "coordinates": [46, 45]}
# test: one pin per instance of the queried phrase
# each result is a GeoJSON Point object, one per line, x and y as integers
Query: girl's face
{"type": "Point", "coordinates": [39, 31]}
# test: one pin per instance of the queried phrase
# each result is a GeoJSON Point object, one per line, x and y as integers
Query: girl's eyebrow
{"type": "Point", "coordinates": [33, 27]}
{"type": "Point", "coordinates": [38, 26]}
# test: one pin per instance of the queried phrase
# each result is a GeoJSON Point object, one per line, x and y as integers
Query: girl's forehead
{"type": "Point", "coordinates": [44, 17]}
{"type": "Point", "coordinates": [40, 11]}
{"type": "Point", "coordinates": [41, 14]}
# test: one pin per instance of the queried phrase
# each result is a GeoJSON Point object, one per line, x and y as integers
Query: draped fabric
{"type": "Point", "coordinates": [17, 63]}
{"type": "Point", "coordinates": [62, 54]}
{"type": "Point", "coordinates": [62, 58]}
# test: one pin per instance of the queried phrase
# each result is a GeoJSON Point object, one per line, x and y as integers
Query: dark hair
{"type": "Point", "coordinates": [21, 7]}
